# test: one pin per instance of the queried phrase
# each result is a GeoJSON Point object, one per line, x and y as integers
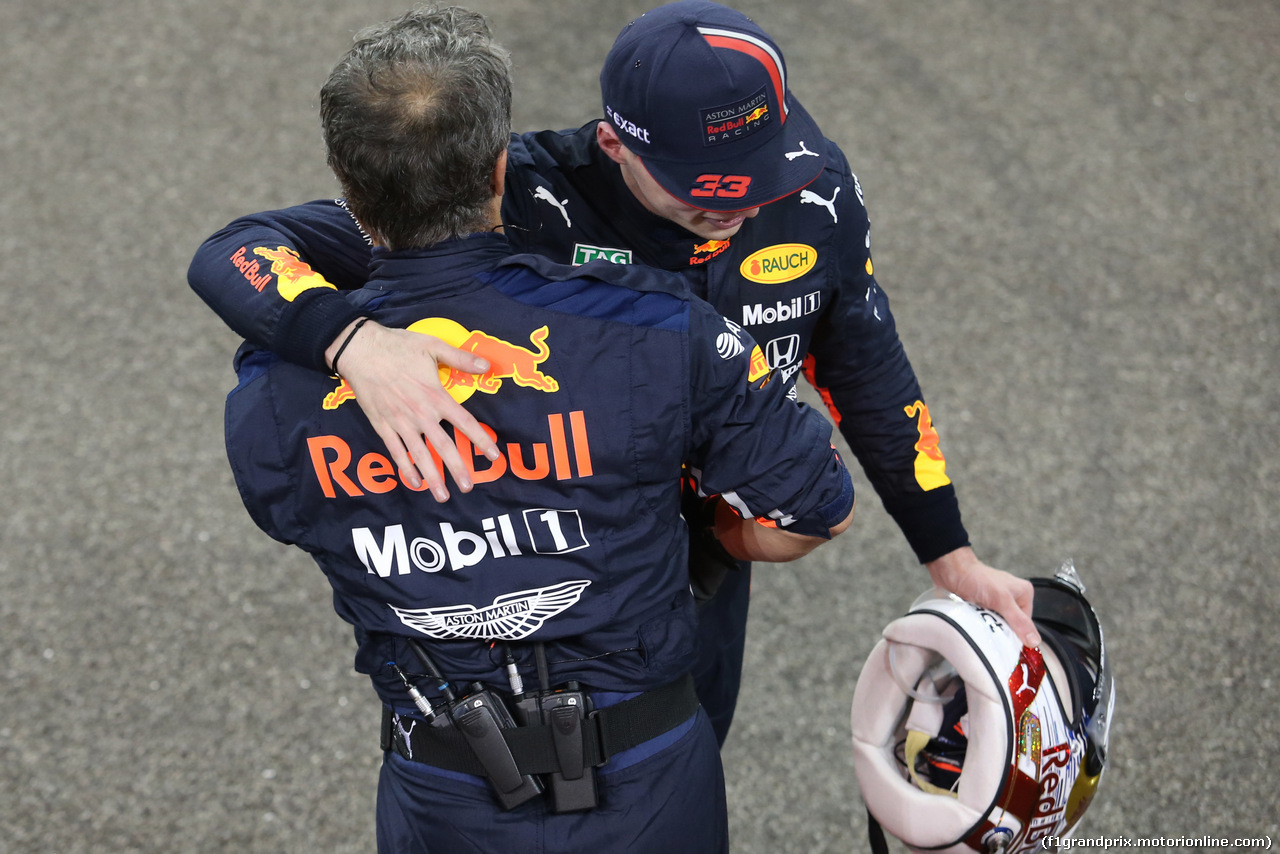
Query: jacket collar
{"type": "Point", "coordinates": [438, 270]}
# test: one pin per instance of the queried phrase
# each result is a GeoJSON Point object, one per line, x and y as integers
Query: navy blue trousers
{"type": "Point", "coordinates": [722, 637]}
{"type": "Point", "coordinates": [665, 796]}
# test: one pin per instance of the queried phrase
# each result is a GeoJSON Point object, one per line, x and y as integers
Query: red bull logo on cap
{"type": "Point", "coordinates": [732, 122]}
{"type": "Point", "coordinates": [506, 360]}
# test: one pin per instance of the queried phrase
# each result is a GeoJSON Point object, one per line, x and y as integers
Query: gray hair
{"type": "Point", "coordinates": [415, 117]}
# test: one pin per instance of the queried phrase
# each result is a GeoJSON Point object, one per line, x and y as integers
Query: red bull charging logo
{"type": "Point", "coordinates": [506, 360]}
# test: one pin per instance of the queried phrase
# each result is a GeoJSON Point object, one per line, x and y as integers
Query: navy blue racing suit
{"type": "Point", "coordinates": [798, 277]}
{"type": "Point", "coordinates": [605, 381]}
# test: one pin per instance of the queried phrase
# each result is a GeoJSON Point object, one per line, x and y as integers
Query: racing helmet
{"type": "Point", "coordinates": [965, 740]}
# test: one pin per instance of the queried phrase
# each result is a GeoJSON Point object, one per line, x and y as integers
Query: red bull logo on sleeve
{"type": "Point", "coordinates": [931, 466]}
{"type": "Point", "coordinates": [506, 360]}
{"type": "Point", "coordinates": [293, 275]}
{"type": "Point", "coordinates": [250, 268]}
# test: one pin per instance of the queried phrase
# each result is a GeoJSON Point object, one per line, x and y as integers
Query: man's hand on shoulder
{"type": "Point", "coordinates": [963, 574]}
{"type": "Point", "coordinates": [395, 376]}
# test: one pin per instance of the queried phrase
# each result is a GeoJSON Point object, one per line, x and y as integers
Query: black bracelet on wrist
{"type": "Point", "coordinates": [352, 334]}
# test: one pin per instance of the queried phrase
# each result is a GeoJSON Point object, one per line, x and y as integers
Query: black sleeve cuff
{"type": "Point", "coordinates": [310, 323]}
{"type": "Point", "coordinates": [931, 523]}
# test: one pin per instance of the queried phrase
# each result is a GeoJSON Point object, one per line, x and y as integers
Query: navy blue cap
{"type": "Point", "coordinates": [699, 92]}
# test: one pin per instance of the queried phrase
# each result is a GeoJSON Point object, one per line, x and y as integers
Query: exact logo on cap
{"type": "Point", "coordinates": [625, 126]}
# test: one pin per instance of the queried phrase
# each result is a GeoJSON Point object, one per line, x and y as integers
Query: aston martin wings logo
{"type": "Point", "coordinates": [510, 617]}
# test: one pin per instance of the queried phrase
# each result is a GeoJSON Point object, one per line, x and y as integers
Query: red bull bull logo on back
{"type": "Point", "coordinates": [339, 395]}
{"type": "Point", "coordinates": [506, 360]}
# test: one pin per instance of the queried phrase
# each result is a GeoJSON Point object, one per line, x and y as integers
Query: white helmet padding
{"type": "Point", "coordinates": [1026, 745]}
{"type": "Point", "coordinates": [879, 703]}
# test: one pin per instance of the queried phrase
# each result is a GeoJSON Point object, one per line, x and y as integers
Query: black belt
{"type": "Point", "coordinates": [606, 732]}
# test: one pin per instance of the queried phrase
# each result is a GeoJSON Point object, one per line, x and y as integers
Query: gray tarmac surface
{"type": "Point", "coordinates": [1075, 207]}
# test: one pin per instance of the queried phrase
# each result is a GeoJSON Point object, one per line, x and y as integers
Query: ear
{"type": "Point", "coordinates": [498, 180]}
{"type": "Point", "coordinates": [610, 144]}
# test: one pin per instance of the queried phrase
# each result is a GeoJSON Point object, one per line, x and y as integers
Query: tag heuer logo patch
{"type": "Point", "coordinates": [582, 253]}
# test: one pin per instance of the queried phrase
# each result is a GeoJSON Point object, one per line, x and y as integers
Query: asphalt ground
{"type": "Point", "coordinates": [1075, 209]}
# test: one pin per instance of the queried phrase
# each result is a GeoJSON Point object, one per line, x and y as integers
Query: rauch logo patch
{"type": "Point", "coordinates": [783, 262]}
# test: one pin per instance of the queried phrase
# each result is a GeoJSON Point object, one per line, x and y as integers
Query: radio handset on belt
{"type": "Point", "coordinates": [573, 787]}
{"type": "Point", "coordinates": [481, 717]}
